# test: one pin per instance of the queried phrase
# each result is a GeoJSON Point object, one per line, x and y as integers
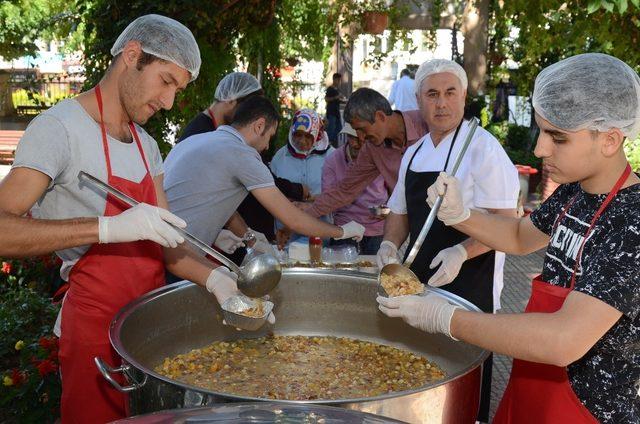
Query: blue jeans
{"type": "Point", "coordinates": [369, 245]}
{"type": "Point", "coordinates": [333, 129]}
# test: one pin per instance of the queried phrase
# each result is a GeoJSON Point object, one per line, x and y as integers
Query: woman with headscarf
{"type": "Point", "coordinates": [301, 160]}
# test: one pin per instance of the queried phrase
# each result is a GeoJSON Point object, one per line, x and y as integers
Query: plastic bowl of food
{"type": "Point", "coordinates": [246, 313]}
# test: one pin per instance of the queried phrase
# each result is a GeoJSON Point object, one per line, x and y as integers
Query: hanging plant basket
{"type": "Point", "coordinates": [374, 22]}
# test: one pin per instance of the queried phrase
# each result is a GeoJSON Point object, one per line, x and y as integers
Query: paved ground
{"type": "Point", "coordinates": [518, 272]}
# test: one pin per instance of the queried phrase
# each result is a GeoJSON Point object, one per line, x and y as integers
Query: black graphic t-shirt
{"type": "Point", "coordinates": [606, 378]}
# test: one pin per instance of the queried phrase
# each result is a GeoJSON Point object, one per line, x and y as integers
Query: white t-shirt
{"type": "Point", "coordinates": [488, 179]}
{"type": "Point", "coordinates": [65, 140]}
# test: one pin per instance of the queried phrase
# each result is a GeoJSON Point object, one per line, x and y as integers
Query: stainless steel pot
{"type": "Point", "coordinates": [180, 317]}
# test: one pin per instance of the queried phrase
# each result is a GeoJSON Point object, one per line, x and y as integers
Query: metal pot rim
{"type": "Point", "coordinates": [121, 316]}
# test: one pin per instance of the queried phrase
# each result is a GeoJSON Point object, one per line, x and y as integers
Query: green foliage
{"type": "Point", "coordinates": [632, 149]}
{"type": "Point", "coordinates": [30, 390]}
{"type": "Point", "coordinates": [25, 21]}
{"type": "Point", "coordinates": [552, 30]}
{"type": "Point", "coordinates": [517, 142]}
{"type": "Point", "coordinates": [306, 31]}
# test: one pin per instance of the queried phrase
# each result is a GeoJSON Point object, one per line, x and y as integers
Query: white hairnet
{"type": "Point", "coordinates": [591, 91]}
{"type": "Point", "coordinates": [437, 66]}
{"type": "Point", "coordinates": [165, 38]}
{"type": "Point", "coordinates": [236, 85]}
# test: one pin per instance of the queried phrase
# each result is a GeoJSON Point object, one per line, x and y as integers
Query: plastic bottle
{"type": "Point", "coordinates": [315, 250]}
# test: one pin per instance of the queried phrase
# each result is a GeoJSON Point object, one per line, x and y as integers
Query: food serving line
{"type": "Point", "coordinates": [176, 360]}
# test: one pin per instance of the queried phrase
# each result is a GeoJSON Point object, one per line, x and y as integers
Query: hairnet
{"type": "Point", "coordinates": [591, 91]}
{"type": "Point", "coordinates": [164, 38]}
{"type": "Point", "coordinates": [437, 66]}
{"type": "Point", "coordinates": [236, 85]}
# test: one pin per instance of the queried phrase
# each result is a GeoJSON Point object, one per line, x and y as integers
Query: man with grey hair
{"type": "Point", "coordinates": [387, 135]}
{"type": "Point", "coordinates": [449, 259]}
{"type": "Point", "coordinates": [111, 254]}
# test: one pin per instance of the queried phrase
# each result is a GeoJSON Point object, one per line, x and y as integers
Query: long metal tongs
{"type": "Point", "coordinates": [256, 278]}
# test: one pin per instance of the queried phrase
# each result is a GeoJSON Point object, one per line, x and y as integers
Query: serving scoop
{"type": "Point", "coordinates": [256, 278]}
{"type": "Point", "coordinates": [402, 270]}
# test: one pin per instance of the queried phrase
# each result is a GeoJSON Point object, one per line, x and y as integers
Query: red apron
{"type": "Point", "coordinates": [541, 393]}
{"type": "Point", "coordinates": [104, 280]}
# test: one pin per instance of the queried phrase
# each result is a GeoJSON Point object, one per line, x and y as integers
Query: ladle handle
{"type": "Point", "coordinates": [473, 124]}
{"type": "Point", "coordinates": [83, 176]}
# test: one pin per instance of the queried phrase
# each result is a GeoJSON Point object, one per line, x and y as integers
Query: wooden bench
{"type": "Point", "coordinates": [8, 142]}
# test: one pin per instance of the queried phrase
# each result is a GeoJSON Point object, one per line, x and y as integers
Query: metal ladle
{"type": "Point", "coordinates": [402, 270]}
{"type": "Point", "coordinates": [256, 278]}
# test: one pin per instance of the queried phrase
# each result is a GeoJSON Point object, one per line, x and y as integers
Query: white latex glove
{"type": "Point", "coordinates": [222, 283]}
{"type": "Point", "coordinates": [452, 210]}
{"type": "Point", "coordinates": [387, 254]}
{"type": "Point", "coordinates": [262, 244]}
{"type": "Point", "coordinates": [227, 241]}
{"type": "Point", "coordinates": [141, 222]}
{"type": "Point", "coordinates": [351, 230]}
{"type": "Point", "coordinates": [431, 313]}
{"type": "Point", "coordinates": [450, 260]}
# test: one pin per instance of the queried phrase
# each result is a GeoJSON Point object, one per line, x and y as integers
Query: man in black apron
{"type": "Point", "coordinates": [448, 257]}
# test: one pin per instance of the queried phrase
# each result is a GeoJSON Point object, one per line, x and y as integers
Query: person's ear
{"type": "Point", "coordinates": [612, 142]}
{"type": "Point", "coordinates": [259, 126]}
{"type": "Point", "coordinates": [131, 53]}
{"type": "Point", "coordinates": [380, 116]}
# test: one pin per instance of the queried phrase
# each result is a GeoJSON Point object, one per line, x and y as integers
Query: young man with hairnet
{"type": "Point", "coordinates": [448, 258]}
{"type": "Point", "coordinates": [111, 254]}
{"type": "Point", "coordinates": [251, 219]}
{"type": "Point", "coordinates": [576, 348]}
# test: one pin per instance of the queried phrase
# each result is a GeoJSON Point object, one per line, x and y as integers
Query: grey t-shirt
{"type": "Point", "coordinates": [207, 178]}
{"type": "Point", "coordinates": [65, 140]}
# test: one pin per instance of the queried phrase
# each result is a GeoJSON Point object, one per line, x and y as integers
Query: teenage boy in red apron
{"type": "Point", "coordinates": [111, 254]}
{"type": "Point", "coordinates": [576, 348]}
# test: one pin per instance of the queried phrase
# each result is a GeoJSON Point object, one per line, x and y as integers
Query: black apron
{"type": "Point", "coordinates": [474, 282]}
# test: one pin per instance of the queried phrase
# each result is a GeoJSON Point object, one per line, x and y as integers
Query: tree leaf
{"type": "Point", "coordinates": [622, 6]}
{"type": "Point", "coordinates": [594, 5]}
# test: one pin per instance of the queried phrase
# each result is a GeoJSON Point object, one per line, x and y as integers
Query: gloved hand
{"type": "Point", "coordinates": [351, 230]}
{"type": "Point", "coordinates": [227, 241]}
{"type": "Point", "coordinates": [451, 260]}
{"type": "Point", "coordinates": [222, 283]}
{"type": "Point", "coordinates": [431, 313]}
{"type": "Point", "coordinates": [141, 222]}
{"type": "Point", "coordinates": [261, 244]}
{"type": "Point", "coordinates": [452, 210]}
{"type": "Point", "coordinates": [387, 254]}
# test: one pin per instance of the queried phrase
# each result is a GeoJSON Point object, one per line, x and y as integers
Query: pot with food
{"type": "Point", "coordinates": [330, 345]}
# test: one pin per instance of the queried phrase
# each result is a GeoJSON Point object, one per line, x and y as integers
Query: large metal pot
{"type": "Point", "coordinates": [183, 316]}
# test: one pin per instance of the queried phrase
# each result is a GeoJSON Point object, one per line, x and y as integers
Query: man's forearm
{"type": "Point", "coordinates": [237, 225]}
{"type": "Point", "coordinates": [396, 228]}
{"type": "Point", "coordinates": [474, 247]}
{"type": "Point", "coordinates": [186, 263]}
{"type": "Point", "coordinates": [343, 194]}
{"type": "Point", "coordinates": [517, 236]}
{"type": "Point", "coordinates": [531, 337]}
{"type": "Point", "coordinates": [24, 237]}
